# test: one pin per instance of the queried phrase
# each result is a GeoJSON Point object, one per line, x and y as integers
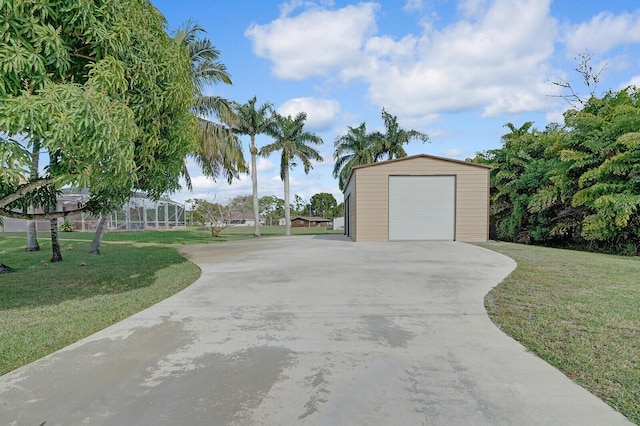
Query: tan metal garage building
{"type": "Point", "coordinates": [421, 197]}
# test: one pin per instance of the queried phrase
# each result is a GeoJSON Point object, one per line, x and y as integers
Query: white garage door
{"type": "Point", "coordinates": [422, 207]}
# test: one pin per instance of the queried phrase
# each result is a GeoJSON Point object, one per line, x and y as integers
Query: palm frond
{"type": "Point", "coordinates": [219, 152]}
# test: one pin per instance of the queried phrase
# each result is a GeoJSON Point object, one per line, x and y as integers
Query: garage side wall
{"type": "Point", "coordinates": [372, 188]}
{"type": "Point", "coordinates": [350, 209]}
{"type": "Point", "coordinates": [472, 199]}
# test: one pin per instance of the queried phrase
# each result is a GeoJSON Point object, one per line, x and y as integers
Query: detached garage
{"type": "Point", "coordinates": [420, 197]}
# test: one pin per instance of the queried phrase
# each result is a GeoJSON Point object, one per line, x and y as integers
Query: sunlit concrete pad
{"type": "Point", "coordinates": [309, 331]}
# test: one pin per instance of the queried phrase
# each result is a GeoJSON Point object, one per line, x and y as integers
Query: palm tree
{"type": "Point", "coordinates": [390, 143]}
{"type": "Point", "coordinates": [291, 138]}
{"type": "Point", "coordinates": [219, 151]}
{"type": "Point", "coordinates": [251, 121]}
{"type": "Point", "coordinates": [353, 149]}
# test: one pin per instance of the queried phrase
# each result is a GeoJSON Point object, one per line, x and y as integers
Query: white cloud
{"type": "Point", "coordinates": [201, 183]}
{"type": "Point", "coordinates": [315, 42]}
{"type": "Point", "coordinates": [491, 59]}
{"type": "Point", "coordinates": [321, 113]}
{"type": "Point", "coordinates": [556, 116]}
{"type": "Point", "coordinates": [413, 5]}
{"type": "Point", "coordinates": [603, 32]}
{"type": "Point", "coordinates": [488, 62]}
{"type": "Point", "coordinates": [264, 165]}
{"type": "Point", "coordinates": [472, 9]}
{"type": "Point", "coordinates": [455, 153]}
{"type": "Point", "coordinates": [634, 81]}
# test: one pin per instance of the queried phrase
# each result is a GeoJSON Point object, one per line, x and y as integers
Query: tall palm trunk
{"type": "Point", "coordinates": [254, 183]}
{"type": "Point", "coordinates": [55, 242]}
{"type": "Point", "coordinates": [97, 236]}
{"type": "Point", "coordinates": [287, 205]}
{"type": "Point", "coordinates": [32, 231]}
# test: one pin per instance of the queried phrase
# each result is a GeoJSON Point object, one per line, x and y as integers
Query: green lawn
{"type": "Point", "coordinates": [45, 306]}
{"type": "Point", "coordinates": [578, 311]}
{"type": "Point", "coordinates": [181, 236]}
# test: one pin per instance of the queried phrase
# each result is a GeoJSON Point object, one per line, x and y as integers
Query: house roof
{"type": "Point", "coordinates": [311, 218]}
{"type": "Point", "coordinates": [413, 157]}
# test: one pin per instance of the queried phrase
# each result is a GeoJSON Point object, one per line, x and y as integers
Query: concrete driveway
{"type": "Point", "coordinates": [309, 331]}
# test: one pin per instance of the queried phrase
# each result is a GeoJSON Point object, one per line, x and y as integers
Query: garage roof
{"type": "Point", "coordinates": [413, 157]}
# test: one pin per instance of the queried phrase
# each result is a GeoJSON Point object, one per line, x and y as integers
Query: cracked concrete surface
{"type": "Point", "coordinates": [309, 331]}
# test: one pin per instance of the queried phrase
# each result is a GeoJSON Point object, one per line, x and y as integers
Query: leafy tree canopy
{"type": "Point", "coordinates": [577, 185]}
{"type": "Point", "coordinates": [102, 88]}
{"type": "Point", "coordinates": [323, 204]}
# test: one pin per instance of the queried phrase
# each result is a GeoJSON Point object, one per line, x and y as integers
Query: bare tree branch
{"type": "Point", "coordinates": [590, 79]}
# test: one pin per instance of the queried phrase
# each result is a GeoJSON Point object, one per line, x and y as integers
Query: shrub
{"type": "Point", "coordinates": [67, 226]}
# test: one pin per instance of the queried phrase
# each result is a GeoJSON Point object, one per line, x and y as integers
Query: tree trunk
{"type": "Point", "coordinates": [32, 231]}
{"type": "Point", "coordinates": [287, 206]}
{"type": "Point", "coordinates": [32, 234]}
{"type": "Point", "coordinates": [97, 236]}
{"type": "Point", "coordinates": [55, 242]}
{"type": "Point", "coordinates": [254, 183]}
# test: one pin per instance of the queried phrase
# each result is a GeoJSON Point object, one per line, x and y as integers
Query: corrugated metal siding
{"type": "Point", "coordinates": [371, 185]}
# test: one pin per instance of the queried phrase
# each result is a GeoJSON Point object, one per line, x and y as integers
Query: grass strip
{"type": "Point", "coordinates": [47, 306]}
{"type": "Point", "coordinates": [578, 311]}
{"type": "Point", "coordinates": [180, 236]}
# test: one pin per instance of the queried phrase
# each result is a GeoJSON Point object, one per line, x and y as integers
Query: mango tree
{"type": "Point", "coordinates": [103, 90]}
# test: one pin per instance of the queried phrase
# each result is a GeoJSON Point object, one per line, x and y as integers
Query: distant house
{"type": "Point", "coordinates": [244, 219]}
{"type": "Point", "coordinates": [309, 222]}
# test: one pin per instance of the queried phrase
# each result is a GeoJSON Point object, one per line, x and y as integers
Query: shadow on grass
{"type": "Point", "coordinates": [37, 282]}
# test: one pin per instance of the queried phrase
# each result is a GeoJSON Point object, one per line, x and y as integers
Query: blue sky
{"type": "Point", "coordinates": [457, 70]}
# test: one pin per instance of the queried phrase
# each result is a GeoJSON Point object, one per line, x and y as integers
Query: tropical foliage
{"type": "Point", "coordinates": [272, 208]}
{"type": "Point", "coordinates": [219, 151]}
{"type": "Point", "coordinates": [357, 147]}
{"type": "Point", "coordinates": [323, 205]}
{"type": "Point", "coordinates": [352, 149]}
{"type": "Point", "coordinates": [390, 143]}
{"type": "Point", "coordinates": [576, 185]}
